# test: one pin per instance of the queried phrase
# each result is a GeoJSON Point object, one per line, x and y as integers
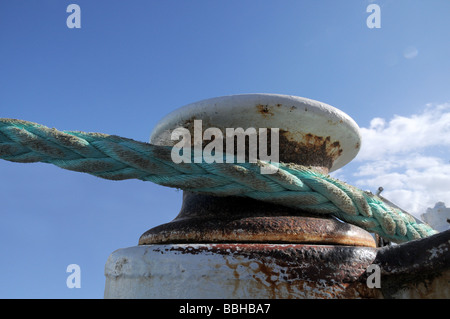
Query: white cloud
{"type": "Point", "coordinates": [402, 135]}
{"type": "Point", "coordinates": [409, 156]}
{"type": "Point", "coordinates": [410, 52]}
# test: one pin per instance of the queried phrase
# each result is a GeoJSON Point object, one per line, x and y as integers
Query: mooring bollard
{"type": "Point", "coordinates": [235, 247]}
{"type": "Point", "coordinates": [253, 223]}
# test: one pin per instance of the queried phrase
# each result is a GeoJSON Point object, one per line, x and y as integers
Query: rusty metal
{"type": "Point", "coordinates": [312, 150]}
{"type": "Point", "coordinates": [240, 271]}
{"type": "Point", "coordinates": [417, 269]}
{"type": "Point", "coordinates": [281, 252]}
{"type": "Point", "coordinates": [251, 249]}
{"type": "Point", "coordinates": [234, 219]}
{"type": "Point", "coordinates": [234, 247]}
{"type": "Point", "coordinates": [311, 133]}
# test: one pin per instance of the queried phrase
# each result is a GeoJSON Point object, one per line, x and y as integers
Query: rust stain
{"type": "Point", "coordinates": [296, 271]}
{"type": "Point", "coordinates": [293, 147]}
{"type": "Point", "coordinates": [265, 110]}
{"type": "Point", "coordinates": [309, 149]}
{"type": "Point", "coordinates": [213, 219]}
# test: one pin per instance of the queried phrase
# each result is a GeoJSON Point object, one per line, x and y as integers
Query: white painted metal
{"type": "Point", "coordinates": [294, 114]}
{"type": "Point", "coordinates": [186, 271]}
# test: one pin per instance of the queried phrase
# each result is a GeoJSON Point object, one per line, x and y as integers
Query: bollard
{"type": "Point", "coordinates": [235, 236]}
{"type": "Point", "coordinates": [233, 247]}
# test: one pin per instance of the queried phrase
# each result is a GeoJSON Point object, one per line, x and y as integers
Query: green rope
{"type": "Point", "coordinates": [117, 158]}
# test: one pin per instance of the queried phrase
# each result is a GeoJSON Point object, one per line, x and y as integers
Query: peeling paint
{"type": "Point", "coordinates": [240, 271]}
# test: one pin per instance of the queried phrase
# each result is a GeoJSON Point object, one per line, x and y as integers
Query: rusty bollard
{"type": "Point", "coordinates": [234, 247]}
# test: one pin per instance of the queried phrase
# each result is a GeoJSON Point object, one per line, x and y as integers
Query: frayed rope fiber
{"type": "Point", "coordinates": [117, 158]}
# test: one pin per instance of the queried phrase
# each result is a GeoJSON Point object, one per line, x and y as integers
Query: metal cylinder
{"type": "Point", "coordinates": [234, 271]}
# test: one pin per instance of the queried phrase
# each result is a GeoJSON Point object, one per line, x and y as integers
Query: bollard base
{"type": "Point", "coordinates": [239, 271]}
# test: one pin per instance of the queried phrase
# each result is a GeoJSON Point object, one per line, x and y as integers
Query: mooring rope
{"type": "Point", "coordinates": [117, 158]}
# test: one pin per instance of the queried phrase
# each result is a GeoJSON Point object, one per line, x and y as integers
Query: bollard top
{"type": "Point", "coordinates": [310, 132]}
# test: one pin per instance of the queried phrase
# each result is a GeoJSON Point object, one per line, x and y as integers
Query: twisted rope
{"type": "Point", "coordinates": [117, 158]}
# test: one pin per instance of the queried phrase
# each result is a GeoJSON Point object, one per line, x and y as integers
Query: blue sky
{"type": "Point", "coordinates": [132, 62]}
